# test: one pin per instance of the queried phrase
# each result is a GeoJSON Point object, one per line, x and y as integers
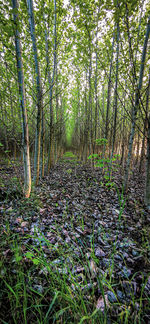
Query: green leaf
{"type": "Point", "coordinates": [51, 305]}
{"type": "Point", "coordinates": [36, 261]}
{"type": "Point", "coordinates": [11, 289]}
{"type": "Point", "coordinates": [29, 255]}
{"type": "Point", "coordinates": [100, 165]}
{"type": "Point", "coordinates": [101, 141]}
{"type": "Point", "coordinates": [18, 257]}
{"type": "Point", "coordinates": [93, 156]}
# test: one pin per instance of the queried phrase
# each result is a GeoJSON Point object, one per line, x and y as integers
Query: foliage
{"type": "Point", "coordinates": [101, 141]}
{"type": "Point", "coordinates": [107, 164]}
{"type": "Point", "coordinates": [69, 155]}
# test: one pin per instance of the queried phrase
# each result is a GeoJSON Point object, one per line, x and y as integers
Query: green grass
{"type": "Point", "coordinates": [52, 298]}
{"type": "Point", "coordinates": [69, 155]}
{"type": "Point", "coordinates": [70, 158]}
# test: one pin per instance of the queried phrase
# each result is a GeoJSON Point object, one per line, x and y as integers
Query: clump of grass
{"type": "Point", "coordinates": [38, 290]}
{"type": "Point", "coordinates": [69, 155]}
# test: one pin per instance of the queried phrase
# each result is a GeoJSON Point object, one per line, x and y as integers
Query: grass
{"type": "Point", "coordinates": [69, 155]}
{"type": "Point", "coordinates": [72, 158]}
{"type": "Point", "coordinates": [50, 299]}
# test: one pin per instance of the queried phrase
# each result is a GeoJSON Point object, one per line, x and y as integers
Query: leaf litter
{"type": "Point", "coordinates": [75, 225]}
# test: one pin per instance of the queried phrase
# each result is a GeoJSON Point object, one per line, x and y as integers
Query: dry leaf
{"type": "Point", "coordinates": [100, 303]}
{"type": "Point", "coordinates": [93, 268]}
{"type": "Point", "coordinates": [24, 224]}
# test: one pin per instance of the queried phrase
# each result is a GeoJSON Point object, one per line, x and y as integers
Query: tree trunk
{"type": "Point", "coordinates": [143, 147]}
{"type": "Point", "coordinates": [86, 127]}
{"type": "Point", "coordinates": [147, 186]}
{"type": "Point", "coordinates": [4, 120]}
{"type": "Point", "coordinates": [25, 136]}
{"type": "Point", "coordinates": [145, 126]}
{"type": "Point", "coordinates": [51, 84]}
{"type": "Point", "coordinates": [12, 111]}
{"type": "Point", "coordinates": [39, 94]}
{"type": "Point", "coordinates": [109, 94]}
{"type": "Point", "coordinates": [90, 108]}
{"type": "Point", "coordinates": [136, 105]}
{"type": "Point", "coordinates": [42, 145]}
{"type": "Point", "coordinates": [137, 148]}
{"type": "Point", "coordinates": [96, 95]}
{"type": "Point", "coordinates": [123, 137]}
{"type": "Point", "coordinates": [115, 93]}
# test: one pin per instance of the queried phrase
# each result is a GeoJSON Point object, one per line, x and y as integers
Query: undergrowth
{"type": "Point", "coordinates": [35, 289]}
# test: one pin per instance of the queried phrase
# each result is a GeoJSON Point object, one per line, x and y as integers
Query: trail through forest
{"type": "Point", "coordinates": [79, 234]}
{"type": "Point", "coordinates": [74, 162]}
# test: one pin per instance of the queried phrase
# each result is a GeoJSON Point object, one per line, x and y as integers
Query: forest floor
{"type": "Point", "coordinates": [77, 251]}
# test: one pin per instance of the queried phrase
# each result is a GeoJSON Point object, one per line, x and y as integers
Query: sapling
{"type": "Point", "coordinates": [106, 164]}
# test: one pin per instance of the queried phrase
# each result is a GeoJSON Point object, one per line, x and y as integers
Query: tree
{"type": "Point", "coordinates": [38, 93]}
{"type": "Point", "coordinates": [136, 103]}
{"type": "Point", "coordinates": [115, 92]}
{"type": "Point", "coordinates": [25, 136]}
{"type": "Point", "coordinates": [147, 184]}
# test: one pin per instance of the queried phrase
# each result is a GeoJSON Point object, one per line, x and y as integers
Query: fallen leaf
{"type": "Point", "coordinates": [24, 224]}
{"type": "Point", "coordinates": [99, 252]}
{"type": "Point", "coordinates": [93, 268]}
{"type": "Point", "coordinates": [101, 304]}
{"type": "Point", "coordinates": [41, 210]}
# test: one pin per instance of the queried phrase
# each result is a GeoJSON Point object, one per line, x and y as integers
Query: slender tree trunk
{"type": "Point", "coordinates": [136, 105]}
{"type": "Point", "coordinates": [42, 145]}
{"type": "Point", "coordinates": [57, 118]}
{"type": "Point", "coordinates": [123, 137]}
{"type": "Point", "coordinates": [96, 95]}
{"type": "Point", "coordinates": [109, 94]}
{"type": "Point", "coordinates": [145, 127]}
{"type": "Point", "coordinates": [116, 96]}
{"type": "Point", "coordinates": [39, 94]}
{"type": "Point", "coordinates": [99, 121]}
{"type": "Point", "coordinates": [25, 136]}
{"type": "Point", "coordinates": [4, 120]}
{"type": "Point", "coordinates": [143, 147]}
{"type": "Point", "coordinates": [137, 148]}
{"type": "Point", "coordinates": [86, 127]}
{"type": "Point", "coordinates": [12, 112]}
{"type": "Point", "coordinates": [147, 186]}
{"type": "Point", "coordinates": [51, 84]}
{"type": "Point", "coordinates": [90, 98]}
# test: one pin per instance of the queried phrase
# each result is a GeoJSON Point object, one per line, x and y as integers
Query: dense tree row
{"type": "Point", "coordinates": [73, 72]}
